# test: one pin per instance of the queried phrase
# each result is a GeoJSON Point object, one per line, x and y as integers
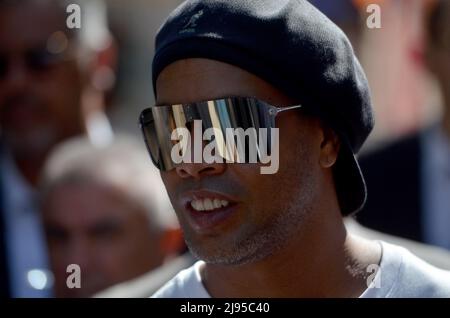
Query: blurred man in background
{"type": "Point", "coordinates": [106, 210]}
{"type": "Point", "coordinates": [345, 14]}
{"type": "Point", "coordinates": [409, 181]}
{"type": "Point", "coordinates": [52, 81]}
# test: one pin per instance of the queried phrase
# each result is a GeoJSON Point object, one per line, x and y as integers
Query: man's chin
{"type": "Point", "coordinates": [30, 145]}
{"type": "Point", "coordinates": [211, 253]}
{"type": "Point", "coordinates": [227, 255]}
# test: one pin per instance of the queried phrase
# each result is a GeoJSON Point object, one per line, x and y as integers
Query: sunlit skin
{"type": "Point", "coordinates": [307, 251]}
{"type": "Point", "coordinates": [100, 228]}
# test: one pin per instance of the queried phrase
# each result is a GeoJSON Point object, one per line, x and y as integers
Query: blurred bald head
{"type": "Point", "coordinates": [105, 209]}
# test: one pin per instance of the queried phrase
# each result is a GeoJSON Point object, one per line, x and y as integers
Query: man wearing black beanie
{"type": "Point", "coordinates": [282, 66]}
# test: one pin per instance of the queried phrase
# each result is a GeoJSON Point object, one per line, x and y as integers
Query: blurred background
{"type": "Point", "coordinates": [90, 84]}
{"type": "Point", "coordinates": [404, 95]}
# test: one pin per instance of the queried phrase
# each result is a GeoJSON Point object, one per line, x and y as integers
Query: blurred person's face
{"type": "Point", "coordinates": [39, 91]}
{"type": "Point", "coordinates": [101, 230]}
{"type": "Point", "coordinates": [264, 211]}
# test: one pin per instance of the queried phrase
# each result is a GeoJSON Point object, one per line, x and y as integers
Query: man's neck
{"type": "Point", "coordinates": [322, 261]}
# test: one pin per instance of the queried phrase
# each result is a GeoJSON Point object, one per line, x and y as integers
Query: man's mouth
{"type": "Point", "coordinates": [208, 210]}
{"type": "Point", "coordinates": [208, 204]}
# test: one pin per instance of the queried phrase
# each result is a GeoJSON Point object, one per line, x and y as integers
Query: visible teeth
{"type": "Point", "coordinates": [200, 206]}
{"type": "Point", "coordinates": [208, 204]}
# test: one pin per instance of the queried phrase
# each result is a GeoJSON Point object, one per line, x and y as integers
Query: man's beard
{"type": "Point", "coordinates": [288, 216]}
{"type": "Point", "coordinates": [258, 245]}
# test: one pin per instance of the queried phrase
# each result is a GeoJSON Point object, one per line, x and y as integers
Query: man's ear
{"type": "Point", "coordinates": [101, 79]}
{"type": "Point", "coordinates": [329, 148]}
{"type": "Point", "coordinates": [104, 67]}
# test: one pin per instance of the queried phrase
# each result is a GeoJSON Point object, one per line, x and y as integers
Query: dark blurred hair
{"type": "Point", "coordinates": [437, 21]}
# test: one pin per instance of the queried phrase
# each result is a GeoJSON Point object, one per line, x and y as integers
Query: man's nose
{"type": "Point", "coordinates": [79, 252]}
{"type": "Point", "coordinates": [198, 170]}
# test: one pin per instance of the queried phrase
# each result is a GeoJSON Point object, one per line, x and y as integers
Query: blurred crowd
{"type": "Point", "coordinates": [77, 185]}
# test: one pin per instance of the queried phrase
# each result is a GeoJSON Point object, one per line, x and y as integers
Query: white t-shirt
{"type": "Point", "coordinates": [400, 274]}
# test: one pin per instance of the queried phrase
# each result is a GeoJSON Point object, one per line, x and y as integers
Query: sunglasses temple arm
{"type": "Point", "coordinates": [283, 109]}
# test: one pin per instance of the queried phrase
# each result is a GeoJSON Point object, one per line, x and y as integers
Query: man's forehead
{"type": "Point", "coordinates": [198, 79]}
{"type": "Point", "coordinates": [88, 203]}
{"type": "Point", "coordinates": [18, 25]}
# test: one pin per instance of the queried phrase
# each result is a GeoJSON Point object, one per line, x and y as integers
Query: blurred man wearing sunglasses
{"type": "Point", "coordinates": [52, 81]}
{"type": "Point", "coordinates": [233, 65]}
